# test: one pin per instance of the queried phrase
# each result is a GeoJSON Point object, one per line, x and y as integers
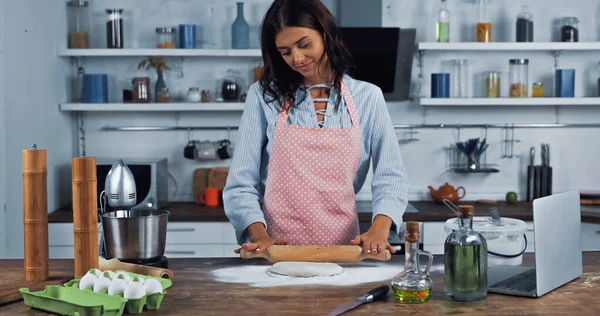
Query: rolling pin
{"type": "Point", "coordinates": [115, 264]}
{"type": "Point", "coordinates": [335, 254]}
{"type": "Point", "coordinates": [35, 214]}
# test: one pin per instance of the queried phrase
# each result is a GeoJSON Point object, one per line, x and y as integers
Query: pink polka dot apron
{"type": "Point", "coordinates": [309, 195]}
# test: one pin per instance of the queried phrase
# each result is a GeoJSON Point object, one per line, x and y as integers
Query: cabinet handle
{"type": "Point", "coordinates": [181, 252]}
{"type": "Point", "coordinates": [530, 229]}
{"type": "Point", "coordinates": [181, 230]}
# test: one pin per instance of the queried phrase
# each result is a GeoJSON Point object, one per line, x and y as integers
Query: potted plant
{"type": "Point", "coordinates": [160, 65]}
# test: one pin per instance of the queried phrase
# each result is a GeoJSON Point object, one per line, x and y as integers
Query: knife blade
{"type": "Point", "coordinates": [371, 296]}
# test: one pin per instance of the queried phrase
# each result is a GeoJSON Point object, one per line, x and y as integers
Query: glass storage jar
{"type": "Point", "coordinates": [518, 77]}
{"type": "Point", "coordinates": [230, 87]}
{"type": "Point", "coordinates": [79, 23]}
{"type": "Point", "coordinates": [114, 28]}
{"type": "Point", "coordinates": [163, 95]}
{"type": "Point", "coordinates": [537, 90]}
{"type": "Point", "coordinates": [569, 31]}
{"type": "Point", "coordinates": [459, 77]}
{"type": "Point", "coordinates": [165, 37]}
{"type": "Point", "coordinates": [193, 95]}
{"type": "Point", "coordinates": [484, 24]}
{"type": "Point", "coordinates": [141, 90]}
{"type": "Point", "coordinates": [524, 25]}
{"type": "Point", "coordinates": [492, 84]}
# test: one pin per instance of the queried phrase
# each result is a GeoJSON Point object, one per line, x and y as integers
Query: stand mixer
{"type": "Point", "coordinates": [134, 236]}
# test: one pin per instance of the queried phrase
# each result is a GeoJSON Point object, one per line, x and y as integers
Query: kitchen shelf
{"type": "Point", "coordinates": [509, 46]}
{"type": "Point", "coordinates": [508, 101]}
{"type": "Point", "coordinates": [152, 107]}
{"type": "Point", "coordinates": [103, 52]}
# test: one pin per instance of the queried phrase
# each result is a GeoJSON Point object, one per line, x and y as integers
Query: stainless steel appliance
{"type": "Point", "coordinates": [130, 235]}
{"type": "Point", "coordinates": [151, 181]}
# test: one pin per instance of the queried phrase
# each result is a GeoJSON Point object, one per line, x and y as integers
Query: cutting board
{"type": "Point", "coordinates": [13, 279]}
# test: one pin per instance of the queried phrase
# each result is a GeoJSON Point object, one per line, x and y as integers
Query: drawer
{"type": "Point", "coordinates": [195, 233]}
{"type": "Point", "coordinates": [229, 234]}
{"type": "Point", "coordinates": [433, 233]}
{"type": "Point", "coordinates": [194, 251]}
{"type": "Point", "coordinates": [590, 237]}
{"type": "Point", "coordinates": [228, 250]}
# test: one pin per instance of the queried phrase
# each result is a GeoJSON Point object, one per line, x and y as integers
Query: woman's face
{"type": "Point", "coordinates": [302, 48]}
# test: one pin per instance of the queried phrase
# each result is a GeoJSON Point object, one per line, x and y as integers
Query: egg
{"type": "Point", "coordinates": [117, 285]}
{"type": "Point", "coordinates": [102, 283]}
{"type": "Point", "coordinates": [87, 280]}
{"type": "Point", "coordinates": [109, 274]}
{"type": "Point", "coordinates": [123, 275]}
{"type": "Point", "coordinates": [134, 291]}
{"type": "Point", "coordinates": [137, 279]}
{"type": "Point", "coordinates": [96, 272]}
{"type": "Point", "coordinates": [153, 286]}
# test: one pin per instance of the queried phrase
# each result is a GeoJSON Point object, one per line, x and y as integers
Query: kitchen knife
{"type": "Point", "coordinates": [371, 296]}
{"type": "Point", "coordinates": [530, 175]}
{"type": "Point", "coordinates": [341, 254]}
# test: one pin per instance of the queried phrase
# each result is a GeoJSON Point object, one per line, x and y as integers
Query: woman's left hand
{"type": "Point", "coordinates": [375, 240]}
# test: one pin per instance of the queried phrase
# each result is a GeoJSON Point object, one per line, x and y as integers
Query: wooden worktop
{"type": "Point", "coordinates": [194, 292]}
{"type": "Point", "coordinates": [429, 211]}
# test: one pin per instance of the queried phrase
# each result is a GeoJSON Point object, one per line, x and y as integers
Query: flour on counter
{"type": "Point", "coordinates": [259, 275]}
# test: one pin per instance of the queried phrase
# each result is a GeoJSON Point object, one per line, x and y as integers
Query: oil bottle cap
{"type": "Point", "coordinates": [412, 231]}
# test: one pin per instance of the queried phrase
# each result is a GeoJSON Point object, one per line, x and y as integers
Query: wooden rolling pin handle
{"type": "Point", "coordinates": [247, 254]}
{"type": "Point", "coordinates": [381, 256]}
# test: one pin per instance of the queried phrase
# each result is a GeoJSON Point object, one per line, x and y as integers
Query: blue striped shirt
{"type": "Point", "coordinates": [245, 187]}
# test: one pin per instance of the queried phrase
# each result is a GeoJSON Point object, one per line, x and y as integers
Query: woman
{"type": "Point", "coordinates": [307, 136]}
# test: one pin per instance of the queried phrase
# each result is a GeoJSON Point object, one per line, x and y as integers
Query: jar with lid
{"type": "Point", "coordinates": [79, 23]}
{"type": "Point", "coordinates": [163, 95]}
{"type": "Point", "coordinates": [230, 87]}
{"type": "Point", "coordinates": [459, 77]}
{"type": "Point", "coordinates": [484, 24]}
{"type": "Point", "coordinates": [524, 25]}
{"type": "Point", "coordinates": [518, 78]}
{"type": "Point", "coordinates": [537, 90]}
{"type": "Point", "coordinates": [141, 90]}
{"type": "Point", "coordinates": [193, 95]}
{"type": "Point", "coordinates": [205, 96]}
{"type": "Point", "coordinates": [114, 28]}
{"type": "Point", "coordinates": [569, 31]}
{"type": "Point", "coordinates": [165, 37]}
{"type": "Point", "coordinates": [492, 84]}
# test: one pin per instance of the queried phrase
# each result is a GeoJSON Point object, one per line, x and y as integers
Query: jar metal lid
{"type": "Point", "coordinates": [165, 30]}
{"type": "Point", "coordinates": [194, 89]}
{"type": "Point", "coordinates": [539, 83]}
{"type": "Point", "coordinates": [114, 10]}
{"type": "Point", "coordinates": [78, 3]}
{"type": "Point", "coordinates": [519, 61]}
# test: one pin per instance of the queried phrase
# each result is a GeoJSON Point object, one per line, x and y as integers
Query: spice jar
{"type": "Point", "coordinates": [205, 96]}
{"type": "Point", "coordinates": [163, 96]}
{"type": "Point", "coordinates": [518, 77]}
{"type": "Point", "coordinates": [569, 31]}
{"type": "Point", "coordinates": [114, 28]}
{"type": "Point", "coordinates": [141, 90]}
{"type": "Point", "coordinates": [79, 23]}
{"type": "Point", "coordinates": [165, 37]}
{"type": "Point", "coordinates": [524, 25]}
{"type": "Point", "coordinates": [537, 90]}
{"type": "Point", "coordinates": [492, 84]}
{"type": "Point", "coordinates": [484, 25]}
{"type": "Point", "coordinates": [193, 95]}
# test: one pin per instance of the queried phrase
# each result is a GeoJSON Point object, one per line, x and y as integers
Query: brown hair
{"type": "Point", "coordinates": [278, 80]}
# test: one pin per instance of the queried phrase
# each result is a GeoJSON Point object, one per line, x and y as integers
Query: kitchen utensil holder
{"type": "Point", "coordinates": [458, 162]}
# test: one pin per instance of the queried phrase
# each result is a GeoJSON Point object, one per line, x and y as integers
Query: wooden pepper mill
{"type": "Point", "coordinates": [35, 213]}
{"type": "Point", "coordinates": [85, 214]}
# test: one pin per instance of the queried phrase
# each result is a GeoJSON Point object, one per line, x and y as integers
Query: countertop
{"type": "Point", "coordinates": [428, 211]}
{"type": "Point", "coordinates": [195, 292]}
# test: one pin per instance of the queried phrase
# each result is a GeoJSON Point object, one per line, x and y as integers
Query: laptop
{"type": "Point", "coordinates": [558, 254]}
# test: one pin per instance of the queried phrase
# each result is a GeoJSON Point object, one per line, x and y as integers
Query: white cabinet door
{"type": "Point", "coordinates": [590, 236]}
{"type": "Point", "coordinates": [434, 237]}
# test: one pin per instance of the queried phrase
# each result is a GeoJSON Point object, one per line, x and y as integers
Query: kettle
{"type": "Point", "coordinates": [448, 192]}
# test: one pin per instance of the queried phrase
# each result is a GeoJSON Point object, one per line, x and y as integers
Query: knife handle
{"type": "Point", "coordinates": [377, 293]}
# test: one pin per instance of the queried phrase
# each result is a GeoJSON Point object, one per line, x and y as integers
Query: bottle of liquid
{"type": "Point", "coordinates": [442, 30]}
{"type": "Point", "coordinates": [484, 24]}
{"type": "Point", "coordinates": [413, 285]}
{"type": "Point", "coordinates": [465, 260]}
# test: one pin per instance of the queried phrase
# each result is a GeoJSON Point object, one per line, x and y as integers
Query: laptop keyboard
{"type": "Point", "coordinates": [524, 282]}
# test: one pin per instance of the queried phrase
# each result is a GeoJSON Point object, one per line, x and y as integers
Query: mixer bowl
{"type": "Point", "coordinates": [135, 234]}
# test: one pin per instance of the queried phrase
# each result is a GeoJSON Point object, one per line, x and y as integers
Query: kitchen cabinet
{"type": "Point", "coordinates": [184, 240]}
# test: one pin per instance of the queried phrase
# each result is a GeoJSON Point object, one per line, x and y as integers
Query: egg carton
{"type": "Point", "coordinates": [69, 299]}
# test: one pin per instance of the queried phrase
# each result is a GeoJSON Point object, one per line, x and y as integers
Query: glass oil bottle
{"type": "Point", "coordinates": [465, 260]}
{"type": "Point", "coordinates": [413, 285]}
{"type": "Point", "coordinates": [442, 29]}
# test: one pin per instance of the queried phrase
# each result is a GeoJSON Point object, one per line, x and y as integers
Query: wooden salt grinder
{"type": "Point", "coordinates": [85, 215]}
{"type": "Point", "coordinates": [35, 213]}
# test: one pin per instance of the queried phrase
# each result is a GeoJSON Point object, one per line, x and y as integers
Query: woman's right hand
{"type": "Point", "coordinates": [260, 239]}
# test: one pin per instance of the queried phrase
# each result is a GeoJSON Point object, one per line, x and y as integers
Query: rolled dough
{"type": "Point", "coordinates": [306, 269]}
